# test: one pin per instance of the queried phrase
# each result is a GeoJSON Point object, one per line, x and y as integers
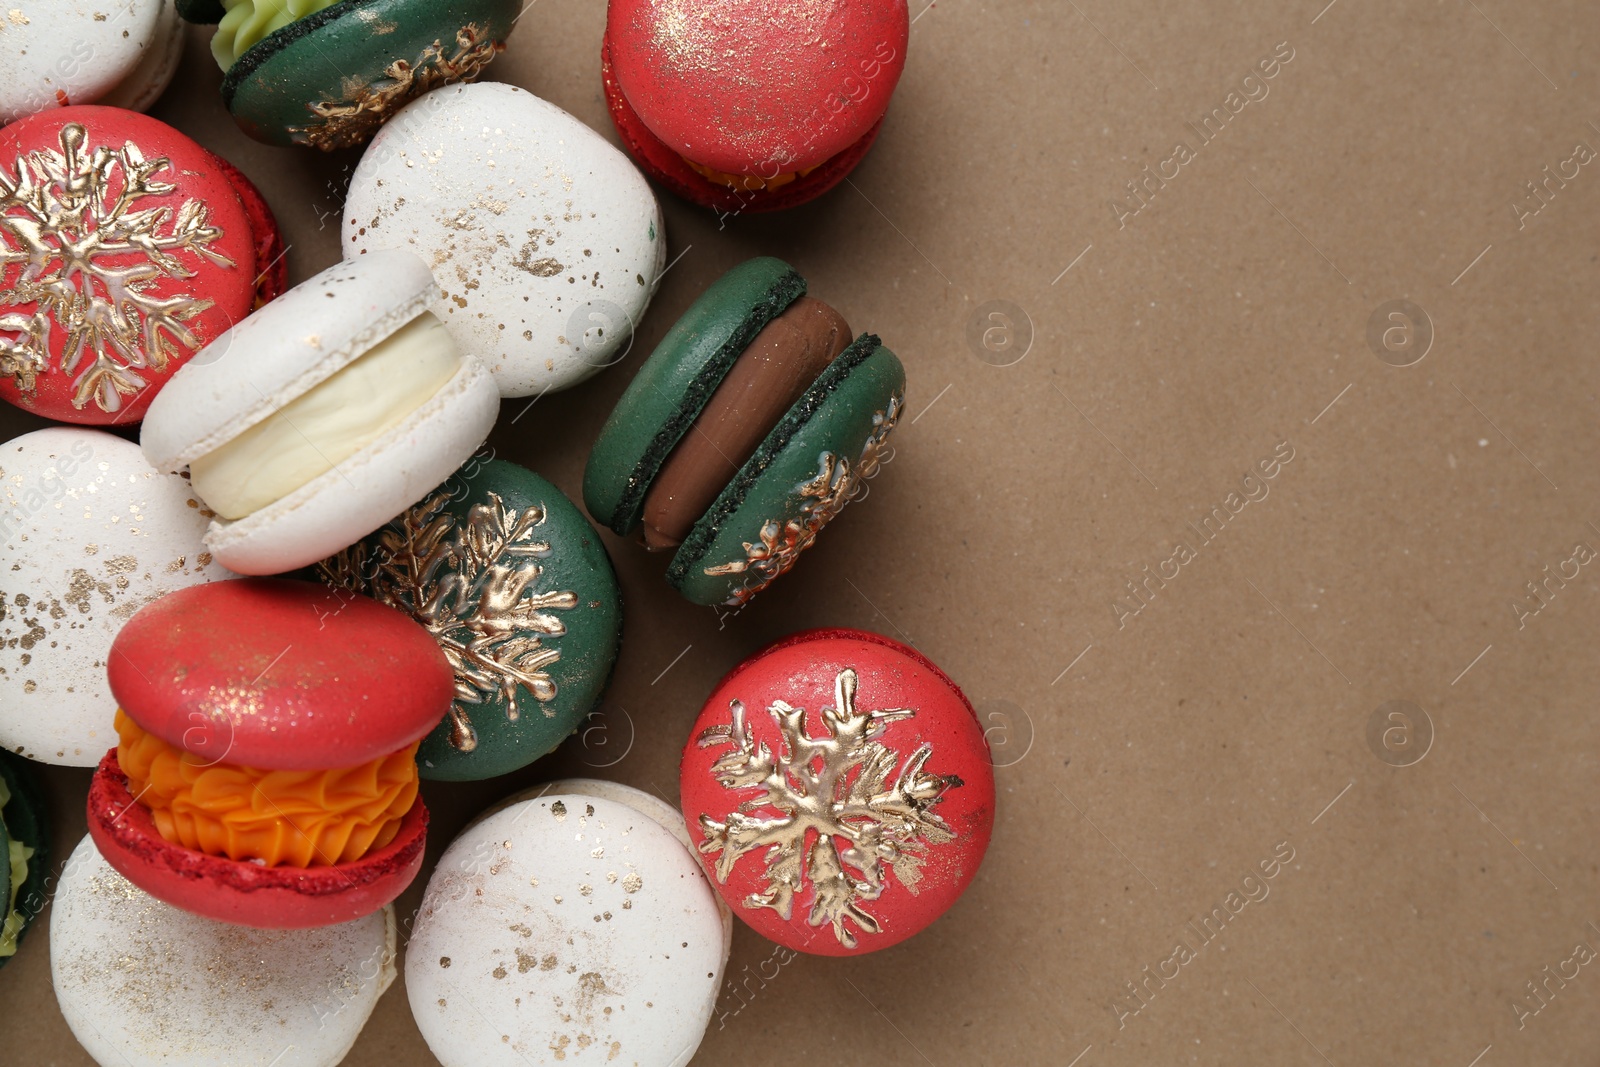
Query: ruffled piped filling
{"type": "Point", "coordinates": [249, 22]}
{"type": "Point", "coordinates": [272, 817]}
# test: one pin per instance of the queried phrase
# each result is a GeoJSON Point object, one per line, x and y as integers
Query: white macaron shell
{"type": "Point", "coordinates": [568, 927]}
{"type": "Point", "coordinates": [145, 83]}
{"type": "Point", "coordinates": [664, 814]}
{"type": "Point", "coordinates": [365, 491]}
{"type": "Point", "coordinates": [545, 239]}
{"type": "Point", "coordinates": [92, 533]}
{"type": "Point", "coordinates": [120, 52]}
{"type": "Point", "coordinates": [283, 350]}
{"type": "Point", "coordinates": [142, 983]}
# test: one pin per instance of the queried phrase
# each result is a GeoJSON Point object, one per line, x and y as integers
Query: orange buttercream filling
{"type": "Point", "coordinates": [747, 182]}
{"type": "Point", "coordinates": [291, 818]}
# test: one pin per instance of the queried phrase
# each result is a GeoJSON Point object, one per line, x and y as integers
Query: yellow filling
{"type": "Point", "coordinates": [290, 818]}
{"type": "Point", "coordinates": [317, 431]}
{"type": "Point", "coordinates": [747, 182]}
{"type": "Point", "coordinates": [18, 857]}
{"type": "Point", "coordinates": [248, 22]}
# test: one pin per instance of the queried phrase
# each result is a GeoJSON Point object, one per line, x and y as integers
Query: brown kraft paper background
{"type": "Point", "coordinates": [1371, 274]}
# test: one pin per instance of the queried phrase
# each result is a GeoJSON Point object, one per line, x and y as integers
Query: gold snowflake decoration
{"type": "Point", "coordinates": [364, 106]}
{"type": "Point", "coordinates": [836, 790]}
{"type": "Point", "coordinates": [471, 584]}
{"type": "Point", "coordinates": [838, 482]}
{"type": "Point", "coordinates": [89, 259]}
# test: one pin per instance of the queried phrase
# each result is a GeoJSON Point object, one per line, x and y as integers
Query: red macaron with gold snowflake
{"type": "Point", "coordinates": [746, 105]}
{"type": "Point", "coordinates": [266, 768]}
{"type": "Point", "coordinates": [840, 790]}
{"type": "Point", "coordinates": [125, 248]}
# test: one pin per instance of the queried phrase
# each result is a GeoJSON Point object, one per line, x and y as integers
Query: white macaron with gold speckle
{"type": "Point", "coordinates": [142, 983]}
{"type": "Point", "coordinates": [545, 240]}
{"type": "Point", "coordinates": [572, 926]}
{"type": "Point", "coordinates": [91, 534]}
{"type": "Point", "coordinates": [61, 52]}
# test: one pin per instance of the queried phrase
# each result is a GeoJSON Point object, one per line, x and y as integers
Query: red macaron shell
{"type": "Point", "coordinates": [272, 277]}
{"type": "Point", "coordinates": [279, 674]}
{"type": "Point", "coordinates": [925, 752]}
{"type": "Point", "coordinates": [246, 893]}
{"type": "Point", "coordinates": [164, 260]}
{"type": "Point", "coordinates": [671, 170]}
{"type": "Point", "coordinates": [758, 86]}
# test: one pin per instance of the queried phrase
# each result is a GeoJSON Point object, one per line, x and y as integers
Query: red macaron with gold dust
{"type": "Point", "coordinates": [266, 771]}
{"type": "Point", "coordinates": [125, 248]}
{"type": "Point", "coordinates": [840, 790]}
{"type": "Point", "coordinates": [751, 105]}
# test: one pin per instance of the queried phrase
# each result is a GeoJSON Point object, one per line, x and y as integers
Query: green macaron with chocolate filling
{"type": "Point", "coordinates": [24, 852]}
{"type": "Point", "coordinates": [517, 589]}
{"type": "Point", "coordinates": [752, 424]}
{"type": "Point", "coordinates": [328, 73]}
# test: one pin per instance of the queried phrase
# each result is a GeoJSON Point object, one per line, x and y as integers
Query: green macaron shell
{"type": "Point", "coordinates": [329, 80]}
{"type": "Point", "coordinates": [23, 818]}
{"type": "Point", "coordinates": [674, 384]}
{"type": "Point", "coordinates": [805, 469]}
{"type": "Point", "coordinates": [518, 590]}
{"type": "Point", "coordinates": [5, 883]}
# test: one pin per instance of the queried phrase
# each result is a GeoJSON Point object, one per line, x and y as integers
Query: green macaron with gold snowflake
{"type": "Point", "coordinates": [516, 587]}
{"type": "Point", "coordinates": [328, 73]}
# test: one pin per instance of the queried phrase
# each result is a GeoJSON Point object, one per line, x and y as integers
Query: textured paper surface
{"type": "Point", "coordinates": [1156, 761]}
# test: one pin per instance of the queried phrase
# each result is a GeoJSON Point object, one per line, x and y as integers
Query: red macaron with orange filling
{"type": "Point", "coordinates": [751, 105]}
{"type": "Point", "coordinates": [266, 771]}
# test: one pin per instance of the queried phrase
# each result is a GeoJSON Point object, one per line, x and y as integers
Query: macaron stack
{"type": "Point", "coordinates": [265, 769]}
{"type": "Point", "coordinates": [310, 593]}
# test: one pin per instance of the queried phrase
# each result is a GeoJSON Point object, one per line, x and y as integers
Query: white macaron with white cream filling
{"type": "Point", "coordinates": [323, 415]}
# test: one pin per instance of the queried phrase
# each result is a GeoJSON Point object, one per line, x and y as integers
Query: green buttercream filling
{"type": "Point", "coordinates": [20, 854]}
{"type": "Point", "coordinates": [249, 22]}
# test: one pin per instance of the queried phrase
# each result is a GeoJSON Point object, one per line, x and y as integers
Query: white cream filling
{"type": "Point", "coordinates": [322, 428]}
